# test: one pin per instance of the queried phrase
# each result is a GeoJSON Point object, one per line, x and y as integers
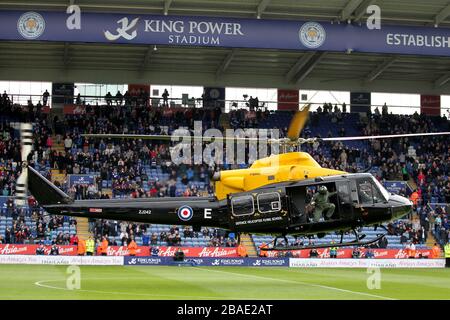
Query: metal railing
{"type": "Point", "coordinates": [23, 99]}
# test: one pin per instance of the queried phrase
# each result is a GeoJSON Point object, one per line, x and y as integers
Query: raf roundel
{"type": "Point", "coordinates": [31, 25]}
{"type": "Point", "coordinates": [185, 213]}
{"type": "Point", "coordinates": [312, 35]}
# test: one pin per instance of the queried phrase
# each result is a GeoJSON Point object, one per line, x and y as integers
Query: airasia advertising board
{"type": "Point", "coordinates": [347, 253]}
{"type": "Point", "coordinates": [74, 109]}
{"type": "Point", "coordinates": [204, 252]}
{"type": "Point", "coordinates": [214, 252]}
{"type": "Point", "coordinates": [30, 249]}
{"type": "Point", "coordinates": [430, 105]}
{"type": "Point", "coordinates": [288, 99]}
{"type": "Point", "coordinates": [135, 89]}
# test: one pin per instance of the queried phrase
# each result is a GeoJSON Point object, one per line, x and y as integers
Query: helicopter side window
{"type": "Point", "coordinates": [343, 192]}
{"type": "Point", "coordinates": [381, 193]}
{"type": "Point", "coordinates": [368, 192]}
{"type": "Point", "coordinates": [345, 199]}
{"type": "Point", "coordinates": [269, 202]}
{"type": "Point", "coordinates": [365, 191]}
{"type": "Point", "coordinates": [242, 206]}
{"type": "Point", "coordinates": [377, 197]}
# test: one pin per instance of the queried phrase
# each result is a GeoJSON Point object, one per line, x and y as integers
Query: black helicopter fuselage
{"type": "Point", "coordinates": [281, 208]}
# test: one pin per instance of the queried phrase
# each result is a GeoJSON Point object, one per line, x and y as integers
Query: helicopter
{"type": "Point", "coordinates": [272, 196]}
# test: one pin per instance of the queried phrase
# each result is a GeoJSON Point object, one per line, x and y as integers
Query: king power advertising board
{"type": "Point", "coordinates": [243, 262]}
{"type": "Point", "coordinates": [211, 262]}
{"type": "Point", "coordinates": [222, 32]}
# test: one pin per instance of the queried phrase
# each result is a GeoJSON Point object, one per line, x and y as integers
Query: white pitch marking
{"type": "Point", "coordinates": [300, 282]}
{"type": "Point", "coordinates": [40, 284]}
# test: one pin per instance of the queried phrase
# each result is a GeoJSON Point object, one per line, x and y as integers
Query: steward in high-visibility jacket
{"type": "Point", "coordinates": [263, 253]}
{"type": "Point", "coordinates": [435, 252]}
{"type": "Point", "coordinates": [333, 251]}
{"type": "Point", "coordinates": [104, 247]}
{"type": "Point", "coordinates": [414, 197]}
{"type": "Point", "coordinates": [242, 251]}
{"type": "Point", "coordinates": [90, 246]}
{"type": "Point", "coordinates": [81, 248]}
{"type": "Point", "coordinates": [132, 247]}
{"type": "Point", "coordinates": [447, 254]}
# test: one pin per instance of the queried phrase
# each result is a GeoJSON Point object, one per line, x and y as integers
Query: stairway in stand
{"type": "Point", "coordinates": [247, 242]}
{"type": "Point", "coordinates": [412, 184]}
{"type": "Point", "coordinates": [83, 228]}
{"type": "Point", "coordinates": [58, 175]}
{"type": "Point", "coordinates": [59, 147]}
{"type": "Point", "coordinates": [431, 240]}
{"type": "Point", "coordinates": [108, 192]}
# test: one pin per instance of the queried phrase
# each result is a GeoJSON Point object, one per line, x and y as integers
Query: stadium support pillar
{"type": "Point", "coordinates": [430, 105]}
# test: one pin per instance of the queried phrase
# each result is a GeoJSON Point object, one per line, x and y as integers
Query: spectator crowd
{"type": "Point", "coordinates": [124, 164]}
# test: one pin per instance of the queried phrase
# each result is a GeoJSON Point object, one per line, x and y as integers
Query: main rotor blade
{"type": "Point", "coordinates": [389, 136]}
{"type": "Point", "coordinates": [128, 136]}
{"type": "Point", "coordinates": [177, 138]}
{"type": "Point", "coordinates": [297, 123]}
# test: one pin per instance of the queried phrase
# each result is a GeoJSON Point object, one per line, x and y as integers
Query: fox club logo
{"type": "Point", "coordinates": [31, 25]}
{"type": "Point", "coordinates": [216, 262]}
{"type": "Point", "coordinates": [124, 30]}
{"type": "Point", "coordinates": [312, 35]}
{"type": "Point", "coordinates": [185, 213]}
{"type": "Point", "coordinates": [257, 263]}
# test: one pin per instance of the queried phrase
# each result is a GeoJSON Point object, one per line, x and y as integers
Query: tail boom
{"type": "Point", "coordinates": [201, 211]}
{"type": "Point", "coordinates": [45, 192]}
{"type": "Point", "coordinates": [195, 211]}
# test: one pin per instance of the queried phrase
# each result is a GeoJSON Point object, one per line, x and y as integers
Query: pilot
{"type": "Point", "coordinates": [322, 204]}
{"type": "Point", "coordinates": [365, 196]}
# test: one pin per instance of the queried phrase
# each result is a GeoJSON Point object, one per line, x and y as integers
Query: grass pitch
{"type": "Point", "coordinates": [191, 283]}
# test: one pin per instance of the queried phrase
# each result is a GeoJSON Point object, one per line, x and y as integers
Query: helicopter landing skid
{"type": "Point", "coordinates": [328, 245]}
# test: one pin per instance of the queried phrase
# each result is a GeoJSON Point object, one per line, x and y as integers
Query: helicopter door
{"type": "Point", "coordinates": [345, 200]}
{"type": "Point", "coordinates": [297, 203]}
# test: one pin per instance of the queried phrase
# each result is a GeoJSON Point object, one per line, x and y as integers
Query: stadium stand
{"type": "Point", "coordinates": [142, 169]}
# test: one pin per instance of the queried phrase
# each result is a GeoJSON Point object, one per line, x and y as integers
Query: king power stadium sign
{"type": "Point", "coordinates": [222, 32]}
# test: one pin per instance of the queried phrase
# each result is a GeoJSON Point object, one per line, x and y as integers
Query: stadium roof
{"type": "Point", "coordinates": [113, 63]}
{"type": "Point", "coordinates": [417, 12]}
